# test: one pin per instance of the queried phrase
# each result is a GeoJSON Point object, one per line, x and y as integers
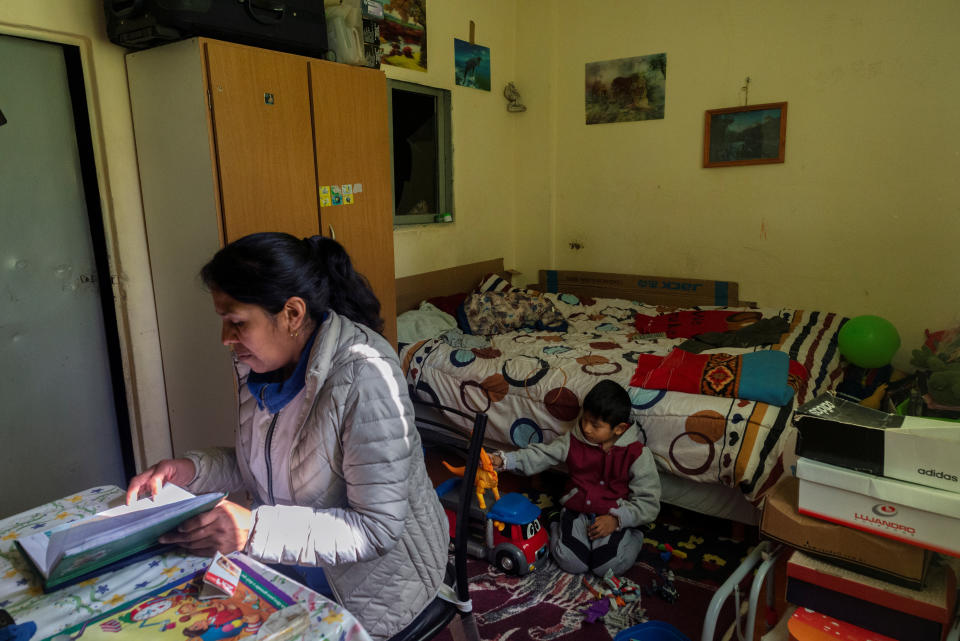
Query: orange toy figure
{"type": "Point", "coordinates": [486, 478]}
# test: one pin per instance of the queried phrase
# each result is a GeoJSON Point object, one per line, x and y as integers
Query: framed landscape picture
{"type": "Point", "coordinates": [752, 135]}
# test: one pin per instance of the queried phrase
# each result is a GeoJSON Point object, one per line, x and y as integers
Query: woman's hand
{"type": "Point", "coordinates": [603, 525]}
{"type": "Point", "coordinates": [179, 471]}
{"type": "Point", "coordinates": [225, 528]}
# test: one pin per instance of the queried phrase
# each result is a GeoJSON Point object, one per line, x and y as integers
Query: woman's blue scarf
{"type": "Point", "coordinates": [275, 395]}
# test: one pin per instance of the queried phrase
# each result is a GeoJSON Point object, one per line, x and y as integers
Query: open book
{"type": "Point", "coordinates": [84, 548]}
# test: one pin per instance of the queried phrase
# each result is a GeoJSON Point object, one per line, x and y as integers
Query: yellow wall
{"type": "Point", "coordinates": [862, 218]}
{"type": "Point", "coordinates": [484, 146]}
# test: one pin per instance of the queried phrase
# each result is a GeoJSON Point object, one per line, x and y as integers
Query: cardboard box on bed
{"type": "Point", "coordinates": [891, 610]}
{"type": "Point", "coordinates": [862, 552]}
{"type": "Point", "coordinates": [916, 514]}
{"type": "Point", "coordinates": [910, 448]}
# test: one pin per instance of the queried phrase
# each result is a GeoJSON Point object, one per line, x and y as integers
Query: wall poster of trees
{"type": "Point", "coordinates": [403, 34]}
{"type": "Point", "coordinates": [751, 135]}
{"type": "Point", "coordinates": [626, 89]}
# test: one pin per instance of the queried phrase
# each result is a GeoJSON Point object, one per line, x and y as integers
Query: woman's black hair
{"type": "Point", "coordinates": [609, 402]}
{"type": "Point", "coordinates": [268, 268]}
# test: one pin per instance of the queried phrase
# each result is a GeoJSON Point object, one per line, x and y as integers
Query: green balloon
{"type": "Point", "coordinates": [868, 341]}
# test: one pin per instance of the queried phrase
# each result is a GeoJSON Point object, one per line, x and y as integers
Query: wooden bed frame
{"type": "Point", "coordinates": [652, 290]}
{"type": "Point", "coordinates": [412, 290]}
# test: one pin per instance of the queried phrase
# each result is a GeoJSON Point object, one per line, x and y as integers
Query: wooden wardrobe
{"type": "Point", "coordinates": [233, 140]}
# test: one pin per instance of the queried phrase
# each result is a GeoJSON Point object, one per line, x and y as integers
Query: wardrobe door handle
{"type": "Point", "coordinates": [333, 234]}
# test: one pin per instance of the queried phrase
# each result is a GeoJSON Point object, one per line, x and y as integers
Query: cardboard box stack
{"type": "Point", "coordinates": [895, 476]}
{"type": "Point", "coordinates": [876, 497]}
{"type": "Point", "coordinates": [875, 556]}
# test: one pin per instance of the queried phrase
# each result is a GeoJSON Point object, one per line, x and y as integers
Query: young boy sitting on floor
{"type": "Point", "coordinates": [613, 485]}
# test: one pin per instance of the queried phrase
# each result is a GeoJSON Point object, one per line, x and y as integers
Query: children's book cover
{"type": "Point", "coordinates": [175, 612]}
{"type": "Point", "coordinates": [71, 551]}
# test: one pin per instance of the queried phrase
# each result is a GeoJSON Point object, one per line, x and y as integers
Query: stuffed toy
{"type": "Point", "coordinates": [944, 386]}
{"type": "Point", "coordinates": [943, 383]}
{"type": "Point", "coordinates": [925, 359]}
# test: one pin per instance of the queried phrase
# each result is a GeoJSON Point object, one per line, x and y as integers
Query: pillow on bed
{"type": "Point", "coordinates": [421, 324]}
{"type": "Point", "coordinates": [494, 283]}
{"type": "Point", "coordinates": [500, 312]}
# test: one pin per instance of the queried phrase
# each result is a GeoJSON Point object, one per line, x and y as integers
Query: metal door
{"type": "Point", "coordinates": [58, 419]}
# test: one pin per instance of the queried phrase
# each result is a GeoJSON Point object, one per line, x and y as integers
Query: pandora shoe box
{"type": "Point", "coordinates": [916, 514]}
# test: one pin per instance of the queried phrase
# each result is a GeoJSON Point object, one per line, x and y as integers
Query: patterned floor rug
{"type": "Point", "coordinates": [544, 606]}
{"type": "Point", "coordinates": [551, 605]}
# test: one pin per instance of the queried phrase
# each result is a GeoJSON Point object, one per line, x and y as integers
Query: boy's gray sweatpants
{"type": "Point", "coordinates": [574, 552]}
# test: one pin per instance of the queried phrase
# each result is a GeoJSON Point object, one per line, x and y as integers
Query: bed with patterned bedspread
{"type": "Point", "coordinates": [531, 382]}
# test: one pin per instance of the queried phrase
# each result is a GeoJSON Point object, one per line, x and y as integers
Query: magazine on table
{"type": "Point", "coordinates": [107, 540]}
{"type": "Point", "coordinates": [176, 611]}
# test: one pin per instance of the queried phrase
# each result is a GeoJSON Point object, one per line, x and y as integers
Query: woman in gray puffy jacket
{"type": "Point", "coordinates": [326, 445]}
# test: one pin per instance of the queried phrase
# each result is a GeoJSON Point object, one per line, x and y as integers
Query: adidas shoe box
{"type": "Point", "coordinates": [919, 450]}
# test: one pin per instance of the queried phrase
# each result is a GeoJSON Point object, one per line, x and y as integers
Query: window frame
{"type": "Point", "coordinates": [442, 104]}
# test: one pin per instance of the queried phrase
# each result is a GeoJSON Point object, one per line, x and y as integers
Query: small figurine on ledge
{"type": "Point", "coordinates": [512, 94]}
{"type": "Point", "coordinates": [868, 343]}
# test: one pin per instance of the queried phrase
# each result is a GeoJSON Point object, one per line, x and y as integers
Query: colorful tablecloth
{"type": "Point", "coordinates": [21, 596]}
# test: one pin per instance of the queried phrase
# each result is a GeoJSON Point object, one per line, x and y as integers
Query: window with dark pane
{"type": "Point", "coordinates": [420, 122]}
